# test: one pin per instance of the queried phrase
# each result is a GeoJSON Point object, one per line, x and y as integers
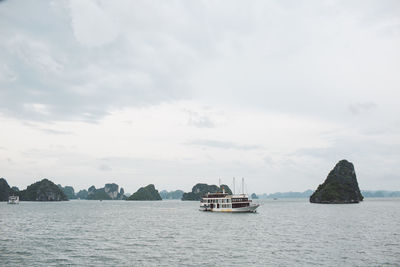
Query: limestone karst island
{"type": "Point", "coordinates": [340, 187]}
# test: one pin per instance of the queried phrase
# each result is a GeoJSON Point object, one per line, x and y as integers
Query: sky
{"type": "Point", "coordinates": [180, 92]}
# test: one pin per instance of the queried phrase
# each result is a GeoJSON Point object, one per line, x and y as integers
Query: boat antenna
{"type": "Point", "coordinates": [242, 185]}
{"type": "Point", "coordinates": [234, 185]}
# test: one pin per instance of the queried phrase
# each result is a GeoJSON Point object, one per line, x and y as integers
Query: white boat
{"type": "Point", "coordinates": [223, 202]}
{"type": "Point", "coordinates": [13, 199]}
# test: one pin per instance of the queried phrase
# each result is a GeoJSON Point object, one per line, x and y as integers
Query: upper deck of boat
{"type": "Point", "coordinates": [225, 195]}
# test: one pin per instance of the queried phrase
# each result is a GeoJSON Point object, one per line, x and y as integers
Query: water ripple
{"type": "Point", "coordinates": [175, 233]}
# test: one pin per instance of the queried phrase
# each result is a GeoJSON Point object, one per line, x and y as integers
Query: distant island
{"type": "Point", "coordinates": [340, 187]}
{"type": "Point", "coordinates": [177, 194]}
{"type": "Point", "coordinates": [46, 190]}
{"type": "Point", "coordinates": [308, 193]}
{"type": "Point", "coordinates": [108, 192]}
{"type": "Point", "coordinates": [146, 193]}
{"type": "Point", "coordinates": [380, 193]}
{"type": "Point", "coordinates": [200, 190]}
{"type": "Point", "coordinates": [305, 194]}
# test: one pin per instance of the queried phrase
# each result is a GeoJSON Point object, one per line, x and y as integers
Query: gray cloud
{"type": "Point", "coordinates": [218, 53]}
{"type": "Point", "coordinates": [358, 108]}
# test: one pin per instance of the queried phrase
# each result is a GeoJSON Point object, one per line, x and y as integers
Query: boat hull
{"type": "Point", "coordinates": [251, 208]}
{"type": "Point", "coordinates": [13, 200]}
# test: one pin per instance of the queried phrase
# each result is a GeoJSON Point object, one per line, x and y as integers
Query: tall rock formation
{"type": "Point", "coordinates": [340, 186]}
{"type": "Point", "coordinates": [111, 190]}
{"type": "Point", "coordinates": [121, 194]}
{"type": "Point", "coordinates": [108, 192]}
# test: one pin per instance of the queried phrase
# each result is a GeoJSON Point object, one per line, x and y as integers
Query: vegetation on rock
{"type": "Point", "coordinates": [44, 190]}
{"type": "Point", "coordinates": [108, 192]}
{"type": "Point", "coordinates": [199, 190]}
{"type": "Point", "coordinates": [68, 191]}
{"type": "Point", "coordinates": [146, 193]}
{"type": "Point", "coordinates": [82, 194]}
{"type": "Point", "coordinates": [5, 190]}
{"type": "Point", "coordinates": [340, 186]}
{"type": "Point", "coordinates": [98, 194]}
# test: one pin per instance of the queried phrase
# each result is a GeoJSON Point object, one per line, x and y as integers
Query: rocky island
{"type": "Point", "coordinates": [146, 193]}
{"type": "Point", "coordinates": [340, 186]}
{"type": "Point", "coordinates": [5, 190]}
{"type": "Point", "coordinates": [108, 192]}
{"type": "Point", "coordinates": [199, 190]}
{"type": "Point", "coordinates": [44, 190]}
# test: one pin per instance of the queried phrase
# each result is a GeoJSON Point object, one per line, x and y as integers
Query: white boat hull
{"type": "Point", "coordinates": [251, 208]}
{"type": "Point", "coordinates": [13, 200]}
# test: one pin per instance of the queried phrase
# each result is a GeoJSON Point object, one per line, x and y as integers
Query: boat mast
{"type": "Point", "coordinates": [242, 185]}
{"type": "Point", "coordinates": [234, 185]}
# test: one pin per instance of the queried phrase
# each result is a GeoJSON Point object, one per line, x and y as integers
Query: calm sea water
{"type": "Point", "coordinates": [175, 233]}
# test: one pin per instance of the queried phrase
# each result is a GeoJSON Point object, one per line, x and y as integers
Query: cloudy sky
{"type": "Point", "coordinates": [179, 92]}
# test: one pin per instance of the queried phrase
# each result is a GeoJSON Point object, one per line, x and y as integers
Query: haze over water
{"type": "Point", "coordinates": [175, 233]}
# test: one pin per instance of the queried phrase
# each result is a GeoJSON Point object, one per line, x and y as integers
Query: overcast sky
{"type": "Point", "coordinates": [180, 92]}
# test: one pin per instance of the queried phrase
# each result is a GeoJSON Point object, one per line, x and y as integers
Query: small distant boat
{"type": "Point", "coordinates": [13, 199]}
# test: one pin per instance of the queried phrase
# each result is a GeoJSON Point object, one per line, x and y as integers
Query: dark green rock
{"type": "Point", "coordinates": [82, 194]}
{"type": "Point", "coordinates": [254, 196]}
{"type": "Point", "coordinates": [146, 193]}
{"type": "Point", "coordinates": [199, 190]}
{"type": "Point", "coordinates": [5, 190]}
{"type": "Point", "coordinates": [68, 191]}
{"type": "Point", "coordinates": [108, 192]}
{"type": "Point", "coordinates": [340, 186]}
{"type": "Point", "coordinates": [98, 194]}
{"type": "Point", "coordinates": [44, 190]}
{"type": "Point", "coordinates": [15, 189]}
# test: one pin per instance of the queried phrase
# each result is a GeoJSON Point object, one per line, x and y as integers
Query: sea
{"type": "Point", "coordinates": [283, 232]}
